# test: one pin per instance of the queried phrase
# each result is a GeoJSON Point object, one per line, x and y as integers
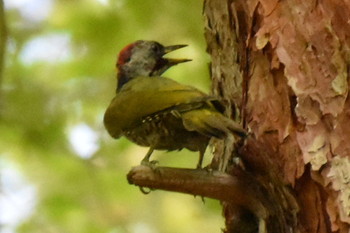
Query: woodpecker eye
{"type": "Point", "coordinates": [157, 48]}
{"type": "Point", "coordinates": [124, 58]}
{"type": "Point", "coordinates": [127, 59]}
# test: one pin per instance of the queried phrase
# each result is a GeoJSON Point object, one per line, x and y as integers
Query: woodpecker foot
{"type": "Point", "coordinates": [262, 226]}
{"type": "Point", "coordinates": [144, 191]}
{"type": "Point", "coordinates": [238, 162]}
{"type": "Point", "coordinates": [223, 165]}
{"type": "Point", "coordinates": [152, 164]}
{"type": "Point", "coordinates": [145, 161]}
{"type": "Point", "coordinates": [209, 170]}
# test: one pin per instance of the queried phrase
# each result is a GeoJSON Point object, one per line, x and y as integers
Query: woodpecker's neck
{"type": "Point", "coordinates": [122, 78]}
{"type": "Point", "coordinates": [127, 73]}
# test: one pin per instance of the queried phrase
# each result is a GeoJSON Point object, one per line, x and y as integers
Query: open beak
{"type": "Point", "coordinates": [172, 61]}
{"type": "Point", "coordinates": [171, 48]}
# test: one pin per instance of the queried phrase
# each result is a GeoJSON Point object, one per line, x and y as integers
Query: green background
{"type": "Point", "coordinates": [59, 77]}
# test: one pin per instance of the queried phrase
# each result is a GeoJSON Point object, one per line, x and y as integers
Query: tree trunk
{"type": "Point", "coordinates": [282, 67]}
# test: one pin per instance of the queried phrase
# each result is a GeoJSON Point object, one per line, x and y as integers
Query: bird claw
{"type": "Point", "coordinates": [209, 170]}
{"type": "Point", "coordinates": [152, 164]}
{"type": "Point", "coordinates": [238, 162]}
{"type": "Point", "coordinates": [262, 226]}
{"type": "Point", "coordinates": [144, 191]}
{"type": "Point", "coordinates": [223, 165]}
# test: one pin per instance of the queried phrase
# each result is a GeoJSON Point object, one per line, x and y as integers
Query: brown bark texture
{"type": "Point", "coordinates": [282, 67]}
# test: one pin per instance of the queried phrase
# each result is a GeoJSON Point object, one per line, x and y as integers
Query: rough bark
{"type": "Point", "coordinates": [282, 67]}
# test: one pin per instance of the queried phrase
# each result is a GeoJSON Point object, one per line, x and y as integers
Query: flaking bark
{"type": "Point", "coordinates": [283, 68]}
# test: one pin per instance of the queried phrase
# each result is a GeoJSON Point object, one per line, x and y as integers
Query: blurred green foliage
{"type": "Point", "coordinates": [44, 98]}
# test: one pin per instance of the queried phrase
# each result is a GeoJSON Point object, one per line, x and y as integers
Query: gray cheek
{"type": "Point", "coordinates": [140, 67]}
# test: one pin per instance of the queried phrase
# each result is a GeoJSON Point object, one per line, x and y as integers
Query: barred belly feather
{"type": "Point", "coordinates": [159, 131]}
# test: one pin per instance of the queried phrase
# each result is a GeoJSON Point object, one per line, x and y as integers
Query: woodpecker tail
{"type": "Point", "coordinates": [211, 123]}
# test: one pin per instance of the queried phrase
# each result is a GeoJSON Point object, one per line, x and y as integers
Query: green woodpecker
{"type": "Point", "coordinates": [157, 112]}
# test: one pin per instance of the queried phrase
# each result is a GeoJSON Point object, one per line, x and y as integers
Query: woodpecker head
{"type": "Point", "coordinates": [144, 58]}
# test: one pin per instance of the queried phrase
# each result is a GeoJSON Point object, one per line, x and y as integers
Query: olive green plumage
{"type": "Point", "coordinates": [162, 114]}
{"type": "Point", "coordinates": [157, 112]}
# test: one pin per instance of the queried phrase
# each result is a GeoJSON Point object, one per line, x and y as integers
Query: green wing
{"type": "Point", "coordinates": [144, 96]}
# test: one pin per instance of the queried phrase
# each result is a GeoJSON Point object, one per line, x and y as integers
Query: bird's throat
{"type": "Point", "coordinates": [122, 79]}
